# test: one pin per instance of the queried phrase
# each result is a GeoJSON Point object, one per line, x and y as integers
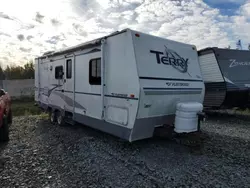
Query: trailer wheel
{"type": "Point", "coordinates": [52, 117]}
{"type": "Point", "coordinates": [60, 119]}
{"type": "Point", "coordinates": [4, 130]}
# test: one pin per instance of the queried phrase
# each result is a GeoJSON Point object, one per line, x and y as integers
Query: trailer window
{"type": "Point", "coordinates": [59, 72]}
{"type": "Point", "coordinates": [69, 68]}
{"type": "Point", "coordinates": [95, 71]}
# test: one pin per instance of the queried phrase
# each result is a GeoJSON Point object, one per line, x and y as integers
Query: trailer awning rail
{"type": "Point", "coordinates": [82, 46]}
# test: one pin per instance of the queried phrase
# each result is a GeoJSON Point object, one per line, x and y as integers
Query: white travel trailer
{"type": "Point", "coordinates": [125, 84]}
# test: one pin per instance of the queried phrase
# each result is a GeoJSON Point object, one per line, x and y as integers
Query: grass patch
{"type": "Point", "coordinates": [25, 107]}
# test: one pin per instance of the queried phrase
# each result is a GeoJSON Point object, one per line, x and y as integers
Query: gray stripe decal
{"type": "Point", "coordinates": [169, 79]}
{"type": "Point", "coordinates": [96, 94]}
{"type": "Point", "coordinates": [68, 100]}
{"type": "Point", "coordinates": [181, 89]}
{"type": "Point", "coordinates": [77, 92]}
{"type": "Point", "coordinates": [171, 92]}
{"type": "Point", "coordinates": [119, 97]}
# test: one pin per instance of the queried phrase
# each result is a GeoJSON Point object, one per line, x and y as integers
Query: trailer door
{"type": "Point", "coordinates": [69, 84]}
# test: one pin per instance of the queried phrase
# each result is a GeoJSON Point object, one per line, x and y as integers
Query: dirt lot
{"type": "Point", "coordinates": [43, 155]}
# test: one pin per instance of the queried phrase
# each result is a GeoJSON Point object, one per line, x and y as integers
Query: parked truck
{"type": "Point", "coordinates": [5, 115]}
{"type": "Point", "coordinates": [126, 84]}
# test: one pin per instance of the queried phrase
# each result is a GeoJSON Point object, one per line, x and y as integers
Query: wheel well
{"type": "Point", "coordinates": [49, 109]}
{"type": "Point", "coordinates": [56, 110]}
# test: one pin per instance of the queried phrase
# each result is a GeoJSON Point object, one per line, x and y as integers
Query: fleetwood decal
{"type": "Point", "coordinates": [177, 84]}
{"type": "Point", "coordinates": [235, 63]}
{"type": "Point", "coordinates": [170, 57]}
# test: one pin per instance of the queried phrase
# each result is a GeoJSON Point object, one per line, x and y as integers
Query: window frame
{"type": "Point", "coordinates": [68, 73]}
{"type": "Point", "coordinates": [94, 80]}
{"type": "Point", "coordinates": [57, 77]}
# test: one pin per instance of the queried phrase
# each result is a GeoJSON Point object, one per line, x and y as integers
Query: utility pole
{"type": "Point", "coordinates": [238, 45]}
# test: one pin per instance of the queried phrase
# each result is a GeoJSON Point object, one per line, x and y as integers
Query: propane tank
{"type": "Point", "coordinates": [186, 118]}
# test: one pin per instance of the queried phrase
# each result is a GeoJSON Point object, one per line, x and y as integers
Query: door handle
{"type": "Point", "coordinates": [62, 90]}
{"type": "Point", "coordinates": [64, 80]}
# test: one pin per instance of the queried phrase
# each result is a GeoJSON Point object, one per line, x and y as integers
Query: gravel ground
{"type": "Point", "coordinates": [43, 155]}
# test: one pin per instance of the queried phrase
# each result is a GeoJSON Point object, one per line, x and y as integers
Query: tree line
{"type": "Point", "coordinates": [15, 72]}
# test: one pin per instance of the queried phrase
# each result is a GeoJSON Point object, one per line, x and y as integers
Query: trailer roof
{"type": "Point", "coordinates": [234, 64]}
{"type": "Point", "coordinates": [81, 46]}
{"type": "Point", "coordinates": [208, 49]}
{"type": "Point", "coordinates": [90, 44]}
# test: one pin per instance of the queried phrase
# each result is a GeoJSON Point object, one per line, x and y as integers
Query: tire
{"type": "Point", "coordinates": [4, 131]}
{"type": "Point", "coordinates": [52, 117]}
{"type": "Point", "coordinates": [60, 118]}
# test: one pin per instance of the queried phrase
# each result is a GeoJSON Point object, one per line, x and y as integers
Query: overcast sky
{"type": "Point", "coordinates": [28, 28]}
